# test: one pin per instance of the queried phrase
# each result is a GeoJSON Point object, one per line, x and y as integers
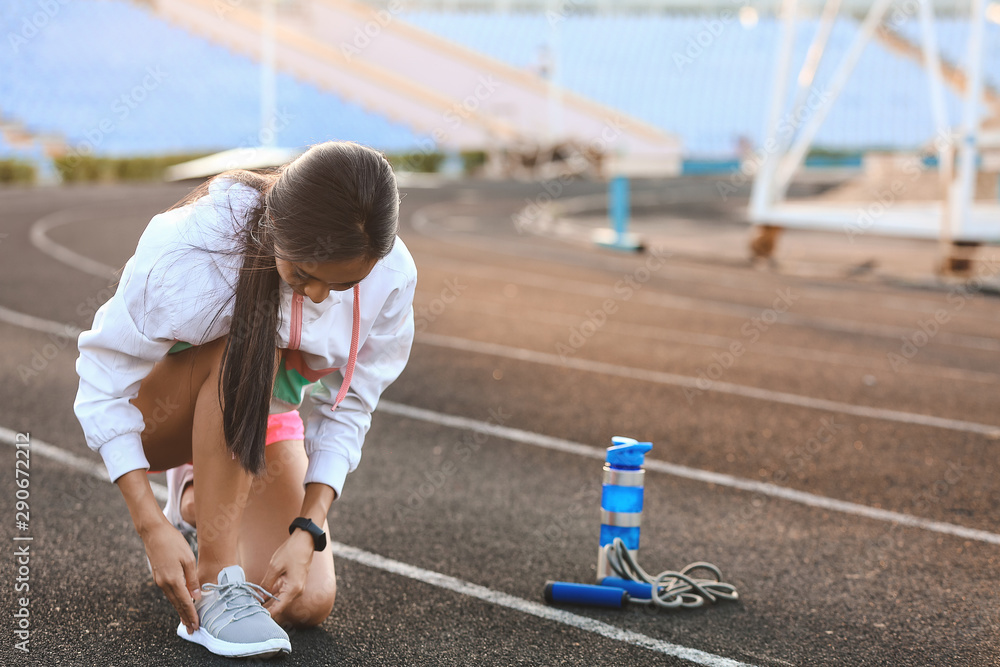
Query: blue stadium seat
{"type": "Point", "coordinates": [71, 77]}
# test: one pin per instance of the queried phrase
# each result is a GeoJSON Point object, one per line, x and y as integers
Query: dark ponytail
{"type": "Point", "coordinates": [336, 202]}
{"type": "Point", "coordinates": [249, 359]}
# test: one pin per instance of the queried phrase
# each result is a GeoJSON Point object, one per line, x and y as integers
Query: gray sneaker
{"type": "Point", "coordinates": [232, 621]}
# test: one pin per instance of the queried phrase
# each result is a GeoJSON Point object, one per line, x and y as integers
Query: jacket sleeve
{"type": "Point", "coordinates": [333, 438]}
{"type": "Point", "coordinates": [130, 333]}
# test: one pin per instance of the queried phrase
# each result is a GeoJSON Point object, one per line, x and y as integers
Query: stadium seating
{"type": "Point", "coordinates": [708, 79]}
{"type": "Point", "coordinates": [111, 77]}
{"type": "Point", "coordinates": [953, 35]}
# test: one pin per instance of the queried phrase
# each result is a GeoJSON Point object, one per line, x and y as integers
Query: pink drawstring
{"type": "Point", "coordinates": [352, 358]}
{"type": "Point", "coordinates": [355, 337]}
{"type": "Point", "coordinates": [295, 334]}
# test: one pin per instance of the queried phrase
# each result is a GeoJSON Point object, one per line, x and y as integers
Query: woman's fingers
{"type": "Point", "coordinates": [185, 586]}
{"type": "Point", "coordinates": [270, 579]}
{"type": "Point", "coordinates": [279, 589]}
{"type": "Point", "coordinates": [287, 595]}
{"type": "Point", "coordinates": [180, 597]}
{"type": "Point", "coordinates": [173, 586]}
{"type": "Point", "coordinates": [191, 576]}
{"type": "Point", "coordinates": [287, 572]}
{"type": "Point", "coordinates": [175, 571]}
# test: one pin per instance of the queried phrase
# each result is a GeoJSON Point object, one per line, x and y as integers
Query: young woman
{"type": "Point", "coordinates": [256, 293]}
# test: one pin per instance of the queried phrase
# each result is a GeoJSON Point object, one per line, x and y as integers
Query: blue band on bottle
{"type": "Point", "coordinates": [621, 498]}
{"type": "Point", "coordinates": [630, 536]}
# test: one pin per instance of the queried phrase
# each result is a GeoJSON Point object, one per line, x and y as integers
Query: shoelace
{"type": "Point", "coordinates": [231, 593]}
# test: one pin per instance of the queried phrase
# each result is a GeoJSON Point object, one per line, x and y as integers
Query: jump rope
{"type": "Point", "coordinates": [620, 578]}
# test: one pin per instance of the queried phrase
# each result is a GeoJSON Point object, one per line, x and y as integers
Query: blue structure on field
{"type": "Point", "coordinates": [618, 237]}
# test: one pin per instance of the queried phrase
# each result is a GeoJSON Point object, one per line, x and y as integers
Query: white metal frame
{"type": "Point", "coordinates": [856, 7]}
{"type": "Point", "coordinates": [955, 218]}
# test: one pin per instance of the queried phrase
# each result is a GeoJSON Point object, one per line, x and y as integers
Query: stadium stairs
{"type": "Point", "coordinates": [454, 95]}
{"type": "Point", "coordinates": [952, 75]}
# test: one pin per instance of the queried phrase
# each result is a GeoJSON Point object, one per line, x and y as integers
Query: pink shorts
{"type": "Point", "coordinates": [282, 426]}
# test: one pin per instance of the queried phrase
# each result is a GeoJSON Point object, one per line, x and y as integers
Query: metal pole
{"type": "Point", "coordinates": [617, 237]}
{"type": "Point", "coordinates": [267, 80]}
{"type": "Point", "coordinates": [798, 151]}
{"type": "Point", "coordinates": [813, 58]}
{"type": "Point", "coordinates": [965, 182]}
{"type": "Point", "coordinates": [554, 129]}
{"type": "Point", "coordinates": [619, 206]}
{"type": "Point", "coordinates": [762, 196]}
{"type": "Point", "coordinates": [942, 138]}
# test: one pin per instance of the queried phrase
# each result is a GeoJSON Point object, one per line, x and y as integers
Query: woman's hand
{"type": "Point", "coordinates": [174, 569]}
{"type": "Point", "coordinates": [287, 571]}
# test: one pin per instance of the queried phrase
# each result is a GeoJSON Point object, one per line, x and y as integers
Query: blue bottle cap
{"type": "Point", "coordinates": [627, 453]}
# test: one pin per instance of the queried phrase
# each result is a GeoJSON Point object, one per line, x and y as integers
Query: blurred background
{"type": "Point", "coordinates": [760, 235]}
{"type": "Point", "coordinates": [112, 90]}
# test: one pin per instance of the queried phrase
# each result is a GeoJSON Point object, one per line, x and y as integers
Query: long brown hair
{"type": "Point", "coordinates": [337, 201]}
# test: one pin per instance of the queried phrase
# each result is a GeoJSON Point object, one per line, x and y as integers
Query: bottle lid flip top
{"type": "Point", "coordinates": [627, 453]}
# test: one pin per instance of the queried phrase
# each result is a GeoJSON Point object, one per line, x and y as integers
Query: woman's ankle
{"type": "Point", "coordinates": [208, 570]}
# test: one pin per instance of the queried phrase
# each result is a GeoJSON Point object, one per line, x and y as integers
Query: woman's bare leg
{"type": "Point", "coordinates": [220, 501]}
{"type": "Point", "coordinates": [275, 499]}
{"type": "Point", "coordinates": [179, 401]}
{"type": "Point", "coordinates": [180, 404]}
{"type": "Point", "coordinates": [167, 398]}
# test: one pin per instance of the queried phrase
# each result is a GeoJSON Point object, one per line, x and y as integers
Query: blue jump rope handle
{"type": "Point", "coordinates": [589, 594]}
{"type": "Point", "coordinates": [635, 589]}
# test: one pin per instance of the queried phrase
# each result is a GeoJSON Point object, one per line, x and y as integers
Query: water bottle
{"type": "Point", "coordinates": [621, 498]}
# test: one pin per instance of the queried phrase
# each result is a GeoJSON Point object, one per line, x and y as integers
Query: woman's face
{"type": "Point", "coordinates": [316, 279]}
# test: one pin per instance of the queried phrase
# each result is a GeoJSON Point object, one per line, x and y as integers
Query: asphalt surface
{"type": "Point", "coordinates": [555, 338]}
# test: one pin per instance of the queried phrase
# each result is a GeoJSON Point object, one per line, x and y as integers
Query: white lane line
{"type": "Point", "coordinates": [38, 324]}
{"type": "Point", "coordinates": [433, 578]}
{"type": "Point", "coordinates": [677, 302]}
{"type": "Point", "coordinates": [698, 384]}
{"type": "Point", "coordinates": [39, 238]}
{"type": "Point", "coordinates": [659, 377]}
{"type": "Point", "coordinates": [520, 354]}
{"type": "Point", "coordinates": [533, 608]}
{"type": "Point", "coordinates": [773, 490]}
{"type": "Point", "coordinates": [647, 332]}
{"type": "Point", "coordinates": [670, 301]}
{"type": "Point", "coordinates": [91, 467]}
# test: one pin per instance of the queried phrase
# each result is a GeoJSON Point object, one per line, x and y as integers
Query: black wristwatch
{"type": "Point", "coordinates": [319, 537]}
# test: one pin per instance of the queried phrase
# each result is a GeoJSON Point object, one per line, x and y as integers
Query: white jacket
{"type": "Point", "coordinates": [169, 292]}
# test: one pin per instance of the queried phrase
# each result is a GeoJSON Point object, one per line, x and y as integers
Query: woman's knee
{"type": "Point", "coordinates": [312, 607]}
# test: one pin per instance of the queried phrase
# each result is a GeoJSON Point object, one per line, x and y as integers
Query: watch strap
{"type": "Point", "coordinates": [306, 524]}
